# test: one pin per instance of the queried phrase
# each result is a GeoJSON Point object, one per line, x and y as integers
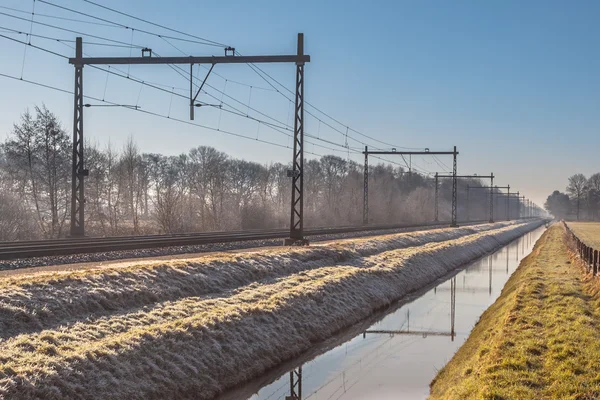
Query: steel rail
{"type": "Point", "coordinates": [70, 246]}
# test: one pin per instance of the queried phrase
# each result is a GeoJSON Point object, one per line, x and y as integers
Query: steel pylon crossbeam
{"type": "Point", "coordinates": [491, 189]}
{"type": "Point", "coordinates": [453, 176]}
{"type": "Point", "coordinates": [454, 153]}
{"type": "Point", "coordinates": [79, 172]}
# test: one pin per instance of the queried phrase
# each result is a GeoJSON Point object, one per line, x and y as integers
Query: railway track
{"type": "Point", "coordinates": [70, 246]}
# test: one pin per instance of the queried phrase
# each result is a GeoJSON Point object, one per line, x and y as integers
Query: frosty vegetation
{"type": "Point", "coordinates": [192, 328]}
{"type": "Point", "coordinates": [131, 192]}
{"type": "Point", "coordinates": [581, 200]}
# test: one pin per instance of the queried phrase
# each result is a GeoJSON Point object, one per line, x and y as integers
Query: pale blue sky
{"type": "Point", "coordinates": [513, 84]}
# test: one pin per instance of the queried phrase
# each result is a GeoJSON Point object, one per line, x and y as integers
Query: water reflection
{"type": "Point", "coordinates": [398, 355]}
{"type": "Point", "coordinates": [423, 333]}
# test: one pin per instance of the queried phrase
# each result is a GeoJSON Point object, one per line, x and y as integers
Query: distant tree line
{"type": "Point", "coordinates": [581, 200]}
{"type": "Point", "coordinates": [130, 192]}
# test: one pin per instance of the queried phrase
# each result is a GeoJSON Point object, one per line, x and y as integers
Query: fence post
{"type": "Point", "coordinates": [595, 263]}
{"type": "Point", "coordinates": [587, 258]}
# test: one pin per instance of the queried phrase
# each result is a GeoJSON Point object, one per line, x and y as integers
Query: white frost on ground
{"type": "Point", "coordinates": [193, 328]}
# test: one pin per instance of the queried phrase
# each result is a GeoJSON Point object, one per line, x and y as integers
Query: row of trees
{"type": "Point", "coordinates": [581, 200]}
{"type": "Point", "coordinates": [130, 192]}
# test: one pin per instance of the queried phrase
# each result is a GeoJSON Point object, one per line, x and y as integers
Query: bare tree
{"type": "Point", "coordinates": [167, 174]}
{"type": "Point", "coordinates": [576, 189]}
{"type": "Point", "coordinates": [132, 167]}
{"type": "Point", "coordinates": [37, 157]}
{"type": "Point", "coordinates": [130, 192]}
{"type": "Point", "coordinates": [593, 195]}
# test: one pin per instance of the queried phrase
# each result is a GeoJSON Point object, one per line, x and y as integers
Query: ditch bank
{"type": "Point", "coordinates": [191, 329]}
{"type": "Point", "coordinates": [539, 340]}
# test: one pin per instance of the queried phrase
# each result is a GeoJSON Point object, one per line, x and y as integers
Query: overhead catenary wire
{"type": "Point", "coordinates": [73, 31]}
{"type": "Point", "coordinates": [252, 66]}
{"type": "Point", "coordinates": [55, 39]}
{"type": "Point", "coordinates": [282, 126]}
{"type": "Point", "coordinates": [206, 41]}
{"type": "Point", "coordinates": [226, 132]}
{"type": "Point", "coordinates": [240, 113]}
{"type": "Point", "coordinates": [154, 24]}
{"type": "Point", "coordinates": [57, 17]}
{"type": "Point", "coordinates": [183, 73]}
{"type": "Point", "coordinates": [203, 42]}
{"type": "Point", "coordinates": [255, 68]}
{"type": "Point", "coordinates": [165, 37]}
{"type": "Point", "coordinates": [213, 42]}
{"type": "Point", "coordinates": [171, 92]}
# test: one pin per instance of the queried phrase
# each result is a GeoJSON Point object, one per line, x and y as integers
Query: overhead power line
{"type": "Point", "coordinates": [279, 128]}
{"type": "Point", "coordinates": [153, 113]}
{"type": "Point", "coordinates": [154, 24]}
{"type": "Point", "coordinates": [272, 126]}
{"type": "Point", "coordinates": [116, 24]}
{"type": "Point", "coordinates": [73, 31]}
{"type": "Point", "coordinates": [57, 17]}
{"type": "Point", "coordinates": [9, 30]}
{"type": "Point", "coordinates": [254, 67]}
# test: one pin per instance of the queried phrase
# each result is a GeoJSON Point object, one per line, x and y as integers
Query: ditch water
{"type": "Point", "coordinates": [397, 353]}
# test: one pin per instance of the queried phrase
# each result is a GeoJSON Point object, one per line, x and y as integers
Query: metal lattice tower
{"type": "Point", "coordinates": [453, 176]}
{"type": "Point", "coordinates": [297, 207]}
{"type": "Point", "coordinates": [366, 188]}
{"type": "Point", "coordinates": [468, 205]}
{"type": "Point", "coordinates": [492, 200]}
{"type": "Point", "coordinates": [437, 197]}
{"type": "Point", "coordinates": [508, 204]}
{"type": "Point", "coordinates": [295, 384]}
{"type": "Point", "coordinates": [454, 182]}
{"type": "Point", "coordinates": [78, 171]}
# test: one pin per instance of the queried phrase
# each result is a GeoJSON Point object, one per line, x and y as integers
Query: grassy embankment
{"type": "Point", "coordinates": [192, 328]}
{"type": "Point", "coordinates": [539, 340]}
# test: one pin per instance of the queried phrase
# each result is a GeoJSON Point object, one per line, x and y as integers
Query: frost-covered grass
{"type": "Point", "coordinates": [539, 340]}
{"type": "Point", "coordinates": [191, 328]}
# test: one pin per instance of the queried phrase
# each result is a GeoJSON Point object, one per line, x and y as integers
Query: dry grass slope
{"type": "Point", "coordinates": [191, 328]}
{"type": "Point", "coordinates": [539, 340]}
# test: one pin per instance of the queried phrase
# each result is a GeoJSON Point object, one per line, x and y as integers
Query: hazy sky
{"type": "Point", "coordinates": [514, 84]}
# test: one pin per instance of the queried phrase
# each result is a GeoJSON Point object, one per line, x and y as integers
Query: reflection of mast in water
{"type": "Point", "coordinates": [295, 384]}
{"type": "Point", "coordinates": [423, 333]}
{"type": "Point", "coordinates": [490, 269]}
{"type": "Point", "coordinates": [452, 306]}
